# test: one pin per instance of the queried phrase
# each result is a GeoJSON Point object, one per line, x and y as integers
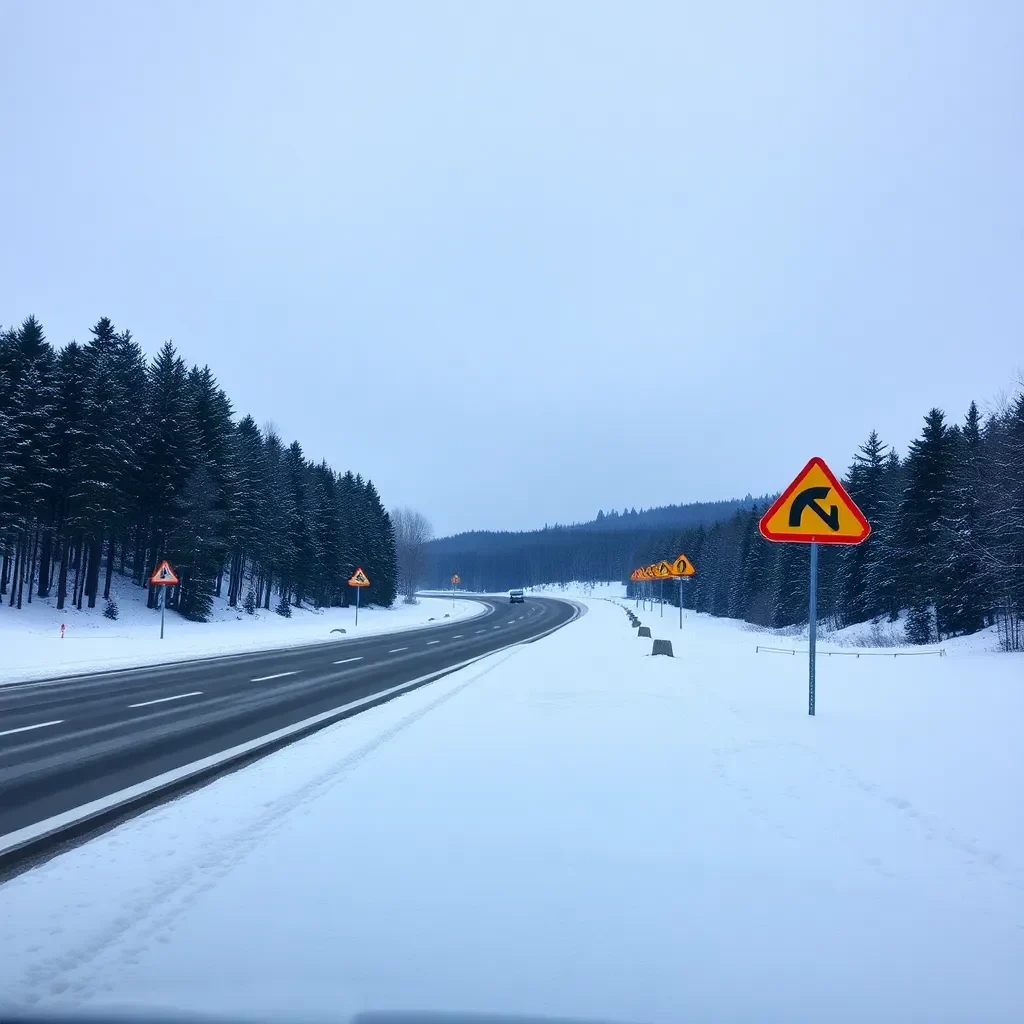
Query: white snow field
{"type": "Point", "coordinates": [31, 646]}
{"type": "Point", "coordinates": [576, 828]}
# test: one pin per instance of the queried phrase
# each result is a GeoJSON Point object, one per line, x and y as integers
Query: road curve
{"type": "Point", "coordinates": [66, 743]}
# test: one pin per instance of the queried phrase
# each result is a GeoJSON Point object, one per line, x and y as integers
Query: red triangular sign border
{"type": "Point", "coordinates": [841, 492]}
{"type": "Point", "coordinates": [169, 580]}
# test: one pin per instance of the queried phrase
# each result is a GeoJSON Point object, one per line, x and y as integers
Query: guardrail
{"type": "Point", "coordinates": [941, 653]}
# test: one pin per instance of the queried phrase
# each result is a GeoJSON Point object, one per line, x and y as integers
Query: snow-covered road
{"type": "Point", "coordinates": [572, 828]}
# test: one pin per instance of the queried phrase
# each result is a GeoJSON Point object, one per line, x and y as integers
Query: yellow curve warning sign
{"type": "Point", "coordinates": [662, 570]}
{"type": "Point", "coordinates": [682, 566]}
{"type": "Point", "coordinates": [815, 507]}
{"type": "Point", "coordinates": [359, 579]}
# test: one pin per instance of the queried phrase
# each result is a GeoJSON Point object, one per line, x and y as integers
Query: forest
{"type": "Point", "coordinates": [599, 549]}
{"type": "Point", "coordinates": [946, 547]}
{"type": "Point", "coordinates": [110, 463]}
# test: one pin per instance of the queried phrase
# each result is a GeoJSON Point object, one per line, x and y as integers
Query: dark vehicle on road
{"type": "Point", "coordinates": [516, 597]}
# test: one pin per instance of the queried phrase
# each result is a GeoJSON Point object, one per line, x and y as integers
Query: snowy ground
{"type": "Point", "coordinates": [575, 828]}
{"type": "Point", "coordinates": [32, 647]}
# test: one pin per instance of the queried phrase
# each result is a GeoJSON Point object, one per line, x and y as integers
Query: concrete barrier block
{"type": "Point", "coordinates": [644, 631]}
{"type": "Point", "coordinates": [662, 647]}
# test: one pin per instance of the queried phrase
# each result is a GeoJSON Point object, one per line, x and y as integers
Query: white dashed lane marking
{"type": "Point", "coordinates": [164, 700]}
{"type": "Point", "coordinates": [29, 728]}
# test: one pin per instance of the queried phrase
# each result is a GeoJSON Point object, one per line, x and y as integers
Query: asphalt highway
{"type": "Point", "coordinates": [64, 743]}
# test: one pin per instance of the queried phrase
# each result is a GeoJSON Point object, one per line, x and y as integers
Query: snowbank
{"type": "Point", "coordinates": [30, 639]}
{"type": "Point", "coordinates": [576, 828]}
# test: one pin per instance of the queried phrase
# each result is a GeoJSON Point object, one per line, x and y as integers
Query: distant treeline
{"type": "Point", "coordinates": [601, 549]}
{"type": "Point", "coordinates": [109, 464]}
{"type": "Point", "coordinates": [946, 546]}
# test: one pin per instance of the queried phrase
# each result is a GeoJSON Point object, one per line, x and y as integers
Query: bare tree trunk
{"type": "Point", "coordinates": [45, 560]}
{"type": "Point", "coordinates": [18, 545]}
{"type": "Point", "coordinates": [23, 573]}
{"type": "Point", "coordinates": [110, 566]}
{"type": "Point", "coordinates": [62, 575]}
{"type": "Point", "coordinates": [81, 567]}
{"type": "Point", "coordinates": [92, 577]}
{"type": "Point", "coordinates": [32, 564]}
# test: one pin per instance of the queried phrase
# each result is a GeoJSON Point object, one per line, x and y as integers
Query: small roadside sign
{"type": "Point", "coordinates": [164, 576]}
{"type": "Point", "coordinates": [682, 566]}
{"type": "Point", "coordinates": [662, 570]}
{"type": "Point", "coordinates": [456, 580]}
{"type": "Point", "coordinates": [359, 580]}
{"type": "Point", "coordinates": [815, 509]}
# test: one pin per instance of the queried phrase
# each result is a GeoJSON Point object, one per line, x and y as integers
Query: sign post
{"type": "Point", "coordinates": [163, 577]}
{"type": "Point", "coordinates": [359, 580]}
{"type": "Point", "coordinates": [812, 612]}
{"type": "Point", "coordinates": [788, 521]}
{"type": "Point", "coordinates": [456, 580]}
{"type": "Point", "coordinates": [681, 568]}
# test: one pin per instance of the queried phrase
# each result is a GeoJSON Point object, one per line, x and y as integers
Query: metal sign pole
{"type": "Point", "coordinates": [662, 599]}
{"type": "Point", "coordinates": [359, 590]}
{"type": "Point", "coordinates": [680, 602]}
{"type": "Point", "coordinates": [163, 605]}
{"type": "Point", "coordinates": [813, 618]}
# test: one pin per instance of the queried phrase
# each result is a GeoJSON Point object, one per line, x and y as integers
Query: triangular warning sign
{"type": "Point", "coordinates": [682, 566]}
{"type": "Point", "coordinates": [359, 579]}
{"type": "Point", "coordinates": [163, 575]}
{"type": "Point", "coordinates": [662, 570]}
{"type": "Point", "coordinates": [815, 507]}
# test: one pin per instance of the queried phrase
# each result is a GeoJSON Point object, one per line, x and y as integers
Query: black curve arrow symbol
{"type": "Point", "coordinates": [808, 498]}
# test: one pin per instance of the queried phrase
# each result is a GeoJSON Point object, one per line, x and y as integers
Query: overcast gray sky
{"type": "Point", "coordinates": [560, 255]}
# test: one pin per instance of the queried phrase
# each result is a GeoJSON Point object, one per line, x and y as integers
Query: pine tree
{"type": "Point", "coordinates": [883, 584]}
{"type": "Point", "coordinates": [194, 543]}
{"type": "Point", "coordinates": [866, 484]}
{"type": "Point", "coordinates": [1002, 525]}
{"type": "Point", "coordinates": [790, 584]}
{"type": "Point", "coordinates": [67, 461]}
{"type": "Point", "coordinates": [380, 549]}
{"type": "Point", "coordinates": [169, 449]}
{"type": "Point", "coordinates": [246, 505]}
{"type": "Point", "coordinates": [922, 510]}
{"type": "Point", "coordinates": [963, 585]}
